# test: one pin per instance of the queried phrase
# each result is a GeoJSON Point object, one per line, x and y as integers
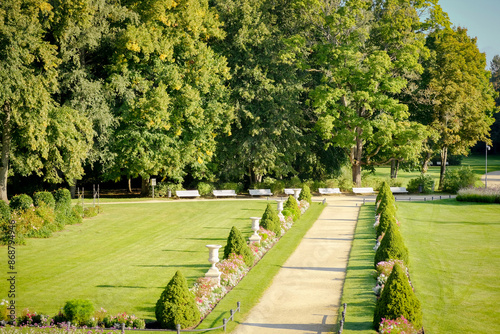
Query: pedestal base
{"type": "Point", "coordinates": [214, 275]}
{"type": "Point", "coordinates": [254, 238]}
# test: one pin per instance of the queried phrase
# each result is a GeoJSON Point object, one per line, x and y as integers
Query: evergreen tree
{"type": "Point", "coordinates": [176, 305]}
{"type": "Point", "coordinates": [270, 220]}
{"type": "Point", "coordinates": [385, 219]}
{"type": "Point", "coordinates": [305, 194]}
{"type": "Point", "coordinates": [237, 244]}
{"type": "Point", "coordinates": [398, 299]}
{"type": "Point", "coordinates": [291, 205]}
{"type": "Point", "coordinates": [392, 246]}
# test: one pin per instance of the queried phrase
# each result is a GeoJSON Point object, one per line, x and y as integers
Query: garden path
{"type": "Point", "coordinates": [493, 179]}
{"type": "Point", "coordinates": [304, 296]}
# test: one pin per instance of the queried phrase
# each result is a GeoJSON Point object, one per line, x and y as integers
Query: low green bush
{"type": "Point", "coordinates": [4, 212]}
{"type": "Point", "coordinates": [384, 191]}
{"type": "Point", "coordinates": [76, 215]}
{"type": "Point", "coordinates": [423, 183]}
{"type": "Point", "coordinates": [20, 202]}
{"type": "Point", "coordinates": [44, 197]}
{"type": "Point", "coordinates": [205, 188]}
{"type": "Point", "coordinates": [398, 299]}
{"type": "Point", "coordinates": [276, 186]}
{"type": "Point", "coordinates": [161, 188]}
{"type": "Point", "coordinates": [294, 182]}
{"type": "Point", "coordinates": [237, 244]}
{"type": "Point", "coordinates": [237, 187]}
{"type": "Point", "coordinates": [92, 211]}
{"type": "Point", "coordinates": [386, 218]}
{"type": "Point", "coordinates": [392, 246]}
{"type": "Point", "coordinates": [270, 220]}
{"type": "Point", "coordinates": [63, 201]}
{"type": "Point", "coordinates": [305, 194]}
{"type": "Point", "coordinates": [458, 178]}
{"type": "Point", "coordinates": [79, 312]}
{"type": "Point", "coordinates": [176, 305]}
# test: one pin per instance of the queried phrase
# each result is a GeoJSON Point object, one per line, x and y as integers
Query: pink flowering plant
{"type": "Point", "coordinates": [207, 294]}
{"type": "Point", "coordinates": [303, 206]}
{"type": "Point", "coordinates": [397, 326]}
{"type": "Point", "coordinates": [384, 269]}
{"type": "Point", "coordinates": [232, 269]}
{"type": "Point", "coordinates": [286, 223]}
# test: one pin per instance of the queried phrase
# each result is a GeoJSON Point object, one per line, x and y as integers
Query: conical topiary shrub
{"type": "Point", "coordinates": [291, 205]}
{"type": "Point", "coordinates": [176, 305]}
{"type": "Point", "coordinates": [384, 191]}
{"type": "Point", "coordinates": [237, 244]}
{"type": "Point", "coordinates": [398, 299]}
{"type": "Point", "coordinates": [387, 202]}
{"type": "Point", "coordinates": [386, 217]}
{"type": "Point", "coordinates": [392, 246]}
{"type": "Point", "coordinates": [305, 194]}
{"type": "Point", "coordinates": [270, 220]}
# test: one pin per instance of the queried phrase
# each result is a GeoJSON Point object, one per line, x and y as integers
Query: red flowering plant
{"type": "Point", "coordinates": [396, 326]}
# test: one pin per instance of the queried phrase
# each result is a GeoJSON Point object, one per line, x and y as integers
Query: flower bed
{"type": "Point", "coordinates": [481, 195]}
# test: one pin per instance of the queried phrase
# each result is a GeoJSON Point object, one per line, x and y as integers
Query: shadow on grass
{"type": "Point", "coordinates": [206, 239]}
{"type": "Point", "coordinates": [181, 251]}
{"type": "Point", "coordinates": [121, 286]}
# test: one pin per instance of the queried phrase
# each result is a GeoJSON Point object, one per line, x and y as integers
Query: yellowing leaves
{"type": "Point", "coordinates": [133, 46]}
{"type": "Point", "coordinates": [45, 6]}
{"type": "Point", "coordinates": [163, 56]}
{"type": "Point", "coordinates": [200, 160]}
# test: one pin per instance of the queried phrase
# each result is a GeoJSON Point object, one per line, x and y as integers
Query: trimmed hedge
{"type": "Point", "coordinates": [44, 198]}
{"type": "Point", "coordinates": [392, 246]}
{"type": "Point", "coordinates": [20, 202]}
{"type": "Point", "coordinates": [305, 194]}
{"type": "Point", "coordinates": [270, 220]}
{"type": "Point", "coordinates": [292, 206]}
{"type": "Point", "coordinates": [79, 312]}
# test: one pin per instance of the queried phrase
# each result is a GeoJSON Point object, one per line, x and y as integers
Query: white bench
{"type": "Point", "coordinates": [362, 190]}
{"type": "Point", "coordinates": [291, 191]}
{"type": "Point", "coordinates": [187, 193]}
{"type": "Point", "coordinates": [224, 193]}
{"type": "Point", "coordinates": [399, 190]}
{"type": "Point", "coordinates": [260, 192]}
{"type": "Point", "coordinates": [329, 191]}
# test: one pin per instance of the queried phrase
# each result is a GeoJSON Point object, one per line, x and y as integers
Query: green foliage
{"type": "Point", "coordinates": [92, 211]}
{"type": "Point", "coordinates": [480, 195]}
{"type": "Point", "coordinates": [205, 188]}
{"type": "Point", "coordinates": [386, 218]}
{"type": "Point", "coordinates": [398, 299]}
{"type": "Point", "coordinates": [237, 244]}
{"type": "Point", "coordinates": [458, 178]}
{"type": "Point", "coordinates": [424, 182]}
{"type": "Point", "coordinates": [305, 194]}
{"type": "Point", "coordinates": [20, 202]}
{"type": "Point", "coordinates": [162, 188]}
{"type": "Point", "coordinates": [292, 206]}
{"type": "Point", "coordinates": [176, 305]}
{"type": "Point", "coordinates": [384, 191]}
{"type": "Point", "coordinates": [62, 197]}
{"type": "Point", "coordinates": [44, 197]}
{"type": "Point", "coordinates": [387, 203]}
{"type": "Point", "coordinates": [79, 312]}
{"type": "Point", "coordinates": [270, 220]}
{"type": "Point", "coordinates": [4, 212]}
{"type": "Point", "coordinates": [392, 246]}
{"type": "Point", "coordinates": [276, 186]}
{"type": "Point", "coordinates": [237, 187]}
{"type": "Point", "coordinates": [76, 215]}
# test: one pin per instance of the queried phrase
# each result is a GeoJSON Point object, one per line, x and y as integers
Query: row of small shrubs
{"type": "Point", "coordinates": [397, 306]}
{"type": "Point", "coordinates": [40, 216]}
{"type": "Point", "coordinates": [78, 313]}
{"type": "Point", "coordinates": [177, 305]}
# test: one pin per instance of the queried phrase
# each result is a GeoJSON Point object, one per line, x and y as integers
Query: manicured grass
{"type": "Point", "coordinates": [455, 264]}
{"type": "Point", "coordinates": [123, 258]}
{"type": "Point", "coordinates": [251, 288]}
{"type": "Point", "coordinates": [357, 291]}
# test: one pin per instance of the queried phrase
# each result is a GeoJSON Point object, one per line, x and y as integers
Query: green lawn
{"type": "Point", "coordinates": [455, 264]}
{"type": "Point", "coordinates": [357, 291]}
{"type": "Point", "coordinates": [123, 258]}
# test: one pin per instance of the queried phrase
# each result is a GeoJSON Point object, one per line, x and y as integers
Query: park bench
{"type": "Point", "coordinates": [224, 193]}
{"type": "Point", "coordinates": [362, 190]}
{"type": "Point", "coordinates": [329, 191]}
{"type": "Point", "coordinates": [290, 191]}
{"type": "Point", "coordinates": [260, 192]}
{"type": "Point", "coordinates": [187, 193]}
{"type": "Point", "coordinates": [399, 190]}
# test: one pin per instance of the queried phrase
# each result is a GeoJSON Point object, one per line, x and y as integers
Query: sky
{"type": "Point", "coordinates": [481, 18]}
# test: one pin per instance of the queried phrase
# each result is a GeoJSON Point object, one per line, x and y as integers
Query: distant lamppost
{"type": "Point", "coordinates": [488, 147]}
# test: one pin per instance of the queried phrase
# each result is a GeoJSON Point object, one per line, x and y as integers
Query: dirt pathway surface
{"type": "Point", "coordinates": [493, 179]}
{"type": "Point", "coordinates": [304, 296]}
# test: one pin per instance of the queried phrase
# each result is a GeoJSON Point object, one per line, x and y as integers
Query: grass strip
{"type": "Point", "coordinates": [357, 291]}
{"type": "Point", "coordinates": [253, 286]}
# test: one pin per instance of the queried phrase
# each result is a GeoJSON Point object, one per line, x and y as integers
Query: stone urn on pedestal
{"type": "Point", "coordinates": [213, 258]}
{"type": "Point", "coordinates": [296, 193]}
{"type": "Point", "coordinates": [255, 237]}
{"type": "Point", "coordinates": [280, 205]}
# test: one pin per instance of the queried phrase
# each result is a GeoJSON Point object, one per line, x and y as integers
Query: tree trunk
{"type": "Point", "coordinates": [444, 158]}
{"type": "Point", "coordinates": [425, 165]}
{"type": "Point", "coordinates": [394, 172]}
{"type": "Point", "coordinates": [129, 185]}
{"type": "Point", "coordinates": [356, 155]}
{"type": "Point", "coordinates": [6, 142]}
{"type": "Point", "coordinates": [72, 189]}
{"type": "Point", "coordinates": [145, 186]}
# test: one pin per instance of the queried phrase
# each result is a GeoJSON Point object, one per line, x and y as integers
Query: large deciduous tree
{"type": "Point", "coordinates": [170, 87]}
{"type": "Point", "coordinates": [462, 96]}
{"type": "Point", "coordinates": [38, 134]}
{"type": "Point", "coordinates": [366, 53]}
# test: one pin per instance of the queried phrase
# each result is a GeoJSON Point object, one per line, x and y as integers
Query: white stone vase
{"type": "Point", "coordinates": [255, 237]}
{"type": "Point", "coordinates": [213, 258]}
